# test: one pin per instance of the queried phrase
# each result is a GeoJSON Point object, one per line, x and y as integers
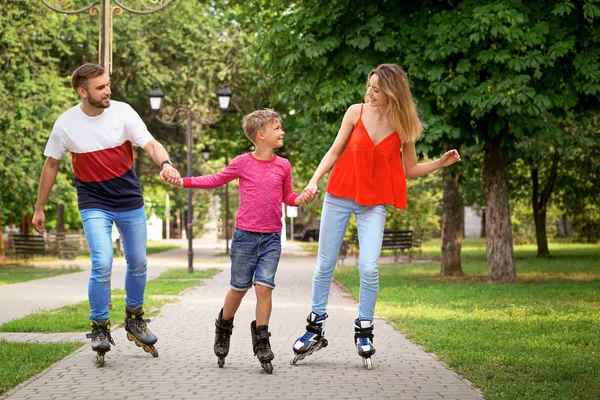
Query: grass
{"type": "Point", "coordinates": [12, 274]}
{"type": "Point", "coordinates": [152, 248]}
{"type": "Point", "coordinates": [75, 317]}
{"type": "Point", "coordinates": [20, 361]}
{"type": "Point", "coordinates": [536, 339]}
{"type": "Point", "coordinates": [175, 281]}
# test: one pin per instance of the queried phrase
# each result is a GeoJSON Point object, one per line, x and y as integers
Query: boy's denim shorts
{"type": "Point", "coordinates": [254, 258]}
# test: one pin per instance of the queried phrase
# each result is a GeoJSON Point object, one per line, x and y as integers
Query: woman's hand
{"type": "Point", "coordinates": [449, 158]}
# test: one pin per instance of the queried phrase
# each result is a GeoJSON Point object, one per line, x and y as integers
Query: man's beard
{"type": "Point", "coordinates": [98, 104]}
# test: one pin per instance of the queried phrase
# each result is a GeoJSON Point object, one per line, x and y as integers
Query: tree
{"type": "Point", "coordinates": [503, 70]}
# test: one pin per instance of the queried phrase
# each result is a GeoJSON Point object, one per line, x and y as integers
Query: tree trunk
{"type": "Point", "coordinates": [498, 229]}
{"type": "Point", "coordinates": [60, 229]}
{"type": "Point", "coordinates": [540, 202]}
{"type": "Point", "coordinates": [1, 244]}
{"type": "Point", "coordinates": [452, 223]}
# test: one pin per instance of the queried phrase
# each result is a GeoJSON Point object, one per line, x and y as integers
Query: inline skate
{"type": "Point", "coordinates": [312, 340]}
{"type": "Point", "coordinates": [223, 329]}
{"type": "Point", "coordinates": [262, 346]}
{"type": "Point", "coordinates": [137, 330]}
{"type": "Point", "coordinates": [363, 339]}
{"type": "Point", "coordinates": [101, 339]}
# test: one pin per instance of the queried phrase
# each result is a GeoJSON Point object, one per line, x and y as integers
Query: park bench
{"type": "Point", "coordinates": [28, 245]}
{"type": "Point", "coordinates": [400, 241]}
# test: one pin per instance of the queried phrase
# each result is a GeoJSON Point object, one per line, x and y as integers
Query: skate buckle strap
{"type": "Point", "coordinates": [263, 335]}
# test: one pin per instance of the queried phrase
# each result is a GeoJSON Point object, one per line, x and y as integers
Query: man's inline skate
{"type": "Point", "coordinates": [363, 339]}
{"type": "Point", "coordinates": [223, 329]}
{"type": "Point", "coordinates": [262, 346]}
{"type": "Point", "coordinates": [312, 340]}
{"type": "Point", "coordinates": [137, 330]}
{"type": "Point", "coordinates": [101, 339]}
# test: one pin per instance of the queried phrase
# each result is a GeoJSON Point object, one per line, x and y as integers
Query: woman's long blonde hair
{"type": "Point", "coordinates": [402, 111]}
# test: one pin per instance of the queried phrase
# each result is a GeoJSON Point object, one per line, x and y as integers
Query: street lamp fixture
{"type": "Point", "coordinates": [206, 153]}
{"type": "Point", "coordinates": [184, 115]}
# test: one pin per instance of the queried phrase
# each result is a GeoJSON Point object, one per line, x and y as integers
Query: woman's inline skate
{"type": "Point", "coordinates": [363, 339]}
{"type": "Point", "coordinates": [312, 340]}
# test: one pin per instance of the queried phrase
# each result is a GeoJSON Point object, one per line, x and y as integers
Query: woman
{"type": "Point", "coordinates": [368, 174]}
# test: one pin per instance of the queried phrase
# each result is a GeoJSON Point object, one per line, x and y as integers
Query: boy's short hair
{"type": "Point", "coordinates": [257, 121]}
{"type": "Point", "coordinates": [82, 74]}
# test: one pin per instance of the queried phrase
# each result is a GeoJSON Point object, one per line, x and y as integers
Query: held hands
{"type": "Point", "coordinates": [171, 175]}
{"type": "Point", "coordinates": [308, 194]}
{"type": "Point", "coordinates": [449, 158]}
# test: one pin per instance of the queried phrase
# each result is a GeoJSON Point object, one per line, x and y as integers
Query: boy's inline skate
{"type": "Point", "coordinates": [101, 339]}
{"type": "Point", "coordinates": [262, 346]}
{"type": "Point", "coordinates": [312, 340]}
{"type": "Point", "coordinates": [363, 338]}
{"type": "Point", "coordinates": [137, 330]}
{"type": "Point", "coordinates": [223, 329]}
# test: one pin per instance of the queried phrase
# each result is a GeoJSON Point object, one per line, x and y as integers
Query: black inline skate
{"type": "Point", "coordinates": [137, 330]}
{"type": "Point", "coordinates": [101, 339]}
{"type": "Point", "coordinates": [223, 329]}
{"type": "Point", "coordinates": [312, 340]}
{"type": "Point", "coordinates": [363, 339]}
{"type": "Point", "coordinates": [262, 346]}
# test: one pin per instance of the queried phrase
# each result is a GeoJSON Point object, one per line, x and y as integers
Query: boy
{"type": "Point", "coordinates": [265, 182]}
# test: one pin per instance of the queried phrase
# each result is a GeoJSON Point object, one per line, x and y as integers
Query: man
{"type": "Point", "coordinates": [100, 135]}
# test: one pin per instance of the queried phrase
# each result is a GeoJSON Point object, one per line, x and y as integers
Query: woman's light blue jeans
{"type": "Point", "coordinates": [97, 225]}
{"type": "Point", "coordinates": [370, 221]}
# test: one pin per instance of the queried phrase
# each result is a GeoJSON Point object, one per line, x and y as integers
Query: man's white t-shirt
{"type": "Point", "coordinates": [102, 153]}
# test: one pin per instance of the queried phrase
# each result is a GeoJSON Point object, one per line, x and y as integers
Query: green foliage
{"type": "Point", "coordinates": [37, 50]}
{"type": "Point", "coordinates": [424, 203]}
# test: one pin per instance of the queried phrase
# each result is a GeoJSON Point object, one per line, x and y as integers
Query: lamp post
{"type": "Point", "coordinates": [156, 97]}
{"type": "Point", "coordinates": [103, 7]}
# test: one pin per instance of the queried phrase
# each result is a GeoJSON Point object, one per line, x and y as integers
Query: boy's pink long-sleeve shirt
{"type": "Point", "coordinates": [264, 185]}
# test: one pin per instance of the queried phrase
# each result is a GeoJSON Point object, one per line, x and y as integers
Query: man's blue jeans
{"type": "Point", "coordinates": [97, 225]}
{"type": "Point", "coordinates": [370, 221]}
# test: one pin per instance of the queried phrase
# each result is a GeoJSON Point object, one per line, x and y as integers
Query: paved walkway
{"type": "Point", "coordinates": [187, 367]}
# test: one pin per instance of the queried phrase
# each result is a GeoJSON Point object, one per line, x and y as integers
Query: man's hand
{"type": "Point", "coordinates": [168, 173]}
{"type": "Point", "coordinates": [171, 176]}
{"type": "Point", "coordinates": [39, 222]}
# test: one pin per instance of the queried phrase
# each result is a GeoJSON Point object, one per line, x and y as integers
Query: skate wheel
{"type": "Point", "coordinates": [149, 349]}
{"type": "Point", "coordinates": [100, 360]}
{"type": "Point", "coordinates": [132, 338]}
{"type": "Point", "coordinates": [268, 367]}
{"type": "Point", "coordinates": [369, 363]}
{"type": "Point", "coordinates": [221, 362]}
{"type": "Point", "coordinates": [294, 359]}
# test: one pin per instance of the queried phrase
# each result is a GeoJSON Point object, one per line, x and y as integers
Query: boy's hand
{"type": "Point", "coordinates": [167, 172]}
{"type": "Point", "coordinates": [172, 177]}
{"type": "Point", "coordinates": [312, 188]}
{"type": "Point", "coordinates": [308, 195]}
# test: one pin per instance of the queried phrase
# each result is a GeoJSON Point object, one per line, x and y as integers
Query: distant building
{"type": "Point", "coordinates": [473, 222]}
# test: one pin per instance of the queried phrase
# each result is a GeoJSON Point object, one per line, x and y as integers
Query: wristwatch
{"type": "Point", "coordinates": [166, 162]}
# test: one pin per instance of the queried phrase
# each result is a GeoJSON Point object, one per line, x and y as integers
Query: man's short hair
{"type": "Point", "coordinates": [82, 74]}
{"type": "Point", "coordinates": [257, 121]}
